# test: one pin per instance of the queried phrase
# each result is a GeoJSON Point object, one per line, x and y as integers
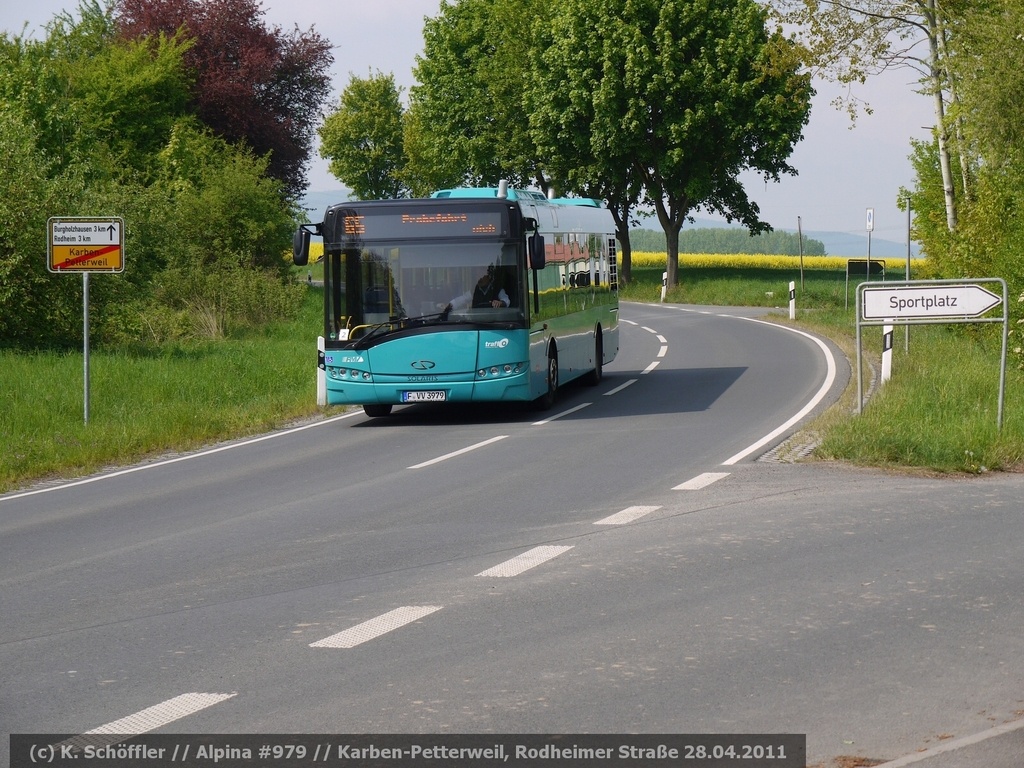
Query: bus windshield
{"type": "Point", "coordinates": [402, 280]}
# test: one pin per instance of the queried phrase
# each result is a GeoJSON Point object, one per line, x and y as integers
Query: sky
{"type": "Point", "coordinates": [844, 168]}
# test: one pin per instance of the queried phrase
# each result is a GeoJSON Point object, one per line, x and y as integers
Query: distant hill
{"type": "Point", "coordinates": [836, 243]}
{"type": "Point", "coordinates": [847, 244]}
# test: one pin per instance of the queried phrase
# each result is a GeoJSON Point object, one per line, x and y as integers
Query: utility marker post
{"type": "Point", "coordinates": [886, 353]}
{"type": "Point", "coordinates": [321, 373]}
{"type": "Point", "coordinates": [800, 239]}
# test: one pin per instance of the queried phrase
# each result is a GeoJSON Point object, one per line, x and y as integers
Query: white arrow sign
{"type": "Point", "coordinates": [937, 301]}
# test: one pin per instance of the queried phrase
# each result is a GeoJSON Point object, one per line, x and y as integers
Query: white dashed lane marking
{"type": "Point", "coordinates": [381, 625]}
{"type": "Point", "coordinates": [701, 481]}
{"type": "Point", "coordinates": [459, 452]}
{"type": "Point", "coordinates": [524, 562]}
{"type": "Point", "coordinates": [628, 515]}
{"type": "Point", "coordinates": [148, 719]}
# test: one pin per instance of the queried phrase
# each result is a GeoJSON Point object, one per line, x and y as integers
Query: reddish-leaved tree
{"type": "Point", "coordinates": [252, 84]}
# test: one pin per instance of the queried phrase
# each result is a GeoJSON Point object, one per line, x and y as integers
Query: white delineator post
{"type": "Point", "coordinates": [664, 285]}
{"type": "Point", "coordinates": [321, 373]}
{"type": "Point", "coordinates": [792, 300]}
{"type": "Point", "coordinates": [886, 353]}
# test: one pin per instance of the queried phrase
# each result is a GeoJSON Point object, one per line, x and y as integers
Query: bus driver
{"type": "Point", "coordinates": [487, 293]}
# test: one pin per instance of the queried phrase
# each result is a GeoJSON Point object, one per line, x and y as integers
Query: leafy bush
{"type": "Point", "coordinates": [217, 302]}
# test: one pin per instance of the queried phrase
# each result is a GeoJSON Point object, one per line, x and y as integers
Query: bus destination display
{"type": "Point", "coordinates": [420, 222]}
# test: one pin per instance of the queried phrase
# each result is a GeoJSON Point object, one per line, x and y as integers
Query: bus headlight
{"type": "Point", "coordinates": [508, 369]}
{"type": "Point", "coordinates": [341, 374]}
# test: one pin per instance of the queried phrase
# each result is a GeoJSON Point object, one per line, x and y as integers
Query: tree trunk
{"type": "Point", "coordinates": [941, 127]}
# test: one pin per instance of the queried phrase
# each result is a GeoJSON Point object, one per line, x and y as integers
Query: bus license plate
{"type": "Point", "coordinates": [429, 396]}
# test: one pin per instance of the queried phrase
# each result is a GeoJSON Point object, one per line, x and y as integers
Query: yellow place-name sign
{"type": "Point", "coordinates": [85, 245]}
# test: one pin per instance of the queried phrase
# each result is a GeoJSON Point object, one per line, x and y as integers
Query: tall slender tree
{"type": "Point", "coordinates": [848, 41]}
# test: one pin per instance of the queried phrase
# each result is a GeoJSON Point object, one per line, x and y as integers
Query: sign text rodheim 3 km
{"type": "Point", "coordinates": [85, 245]}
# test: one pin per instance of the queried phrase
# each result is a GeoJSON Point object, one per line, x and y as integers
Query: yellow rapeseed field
{"type": "Point", "coordinates": [645, 259]}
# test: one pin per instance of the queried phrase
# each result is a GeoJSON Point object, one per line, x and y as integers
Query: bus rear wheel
{"type": "Point", "coordinates": [593, 378]}
{"type": "Point", "coordinates": [376, 409]}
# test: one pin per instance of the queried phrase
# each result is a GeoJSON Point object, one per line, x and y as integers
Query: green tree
{"type": "Point", "coordinates": [568, 88]}
{"type": "Point", "coordinates": [363, 140]}
{"type": "Point", "coordinates": [985, 61]}
{"type": "Point", "coordinates": [984, 48]}
{"type": "Point", "coordinates": [690, 95]}
{"type": "Point", "coordinates": [96, 100]}
{"type": "Point", "coordinates": [35, 307]}
{"type": "Point", "coordinates": [254, 85]}
{"type": "Point", "coordinates": [93, 124]}
{"type": "Point", "coordinates": [469, 102]}
{"type": "Point", "coordinates": [223, 210]}
{"type": "Point", "coordinates": [426, 167]}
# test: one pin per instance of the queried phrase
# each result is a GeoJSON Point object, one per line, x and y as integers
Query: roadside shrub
{"type": "Point", "coordinates": [197, 304]}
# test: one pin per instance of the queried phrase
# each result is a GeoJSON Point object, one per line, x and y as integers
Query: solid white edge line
{"type": "Point", "coordinates": [176, 459]}
{"type": "Point", "coordinates": [949, 746]}
{"type": "Point", "coordinates": [701, 481]}
{"type": "Point", "coordinates": [811, 404]}
{"type": "Point", "coordinates": [579, 407]}
{"type": "Point", "coordinates": [459, 452]}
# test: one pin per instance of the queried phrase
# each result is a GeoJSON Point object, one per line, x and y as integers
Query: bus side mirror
{"type": "Point", "coordinates": [300, 247]}
{"type": "Point", "coordinates": [535, 247]}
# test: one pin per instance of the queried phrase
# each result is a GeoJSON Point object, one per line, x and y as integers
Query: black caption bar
{"type": "Point", "coordinates": [409, 751]}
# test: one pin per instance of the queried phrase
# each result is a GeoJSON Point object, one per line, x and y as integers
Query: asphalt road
{"type": "Point", "coordinates": [621, 564]}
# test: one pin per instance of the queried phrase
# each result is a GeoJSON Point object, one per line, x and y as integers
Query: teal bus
{"type": "Point", "coordinates": [470, 295]}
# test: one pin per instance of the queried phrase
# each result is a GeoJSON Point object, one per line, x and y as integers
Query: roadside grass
{"type": "Point", "coordinates": [938, 413]}
{"type": "Point", "coordinates": [151, 401]}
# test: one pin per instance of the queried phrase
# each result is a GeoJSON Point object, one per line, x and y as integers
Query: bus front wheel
{"type": "Point", "coordinates": [376, 409]}
{"type": "Point", "coordinates": [547, 400]}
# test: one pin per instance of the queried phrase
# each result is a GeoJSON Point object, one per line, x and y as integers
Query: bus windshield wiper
{"type": "Point", "coordinates": [398, 323]}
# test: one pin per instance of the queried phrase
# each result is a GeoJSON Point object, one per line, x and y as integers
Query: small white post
{"type": "Point", "coordinates": [792, 300]}
{"type": "Point", "coordinates": [664, 285]}
{"type": "Point", "coordinates": [321, 373]}
{"type": "Point", "coordinates": [886, 353]}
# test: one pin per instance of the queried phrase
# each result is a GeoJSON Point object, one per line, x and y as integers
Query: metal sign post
{"type": "Point", "coordinates": [79, 244]}
{"type": "Point", "coordinates": [920, 302]}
